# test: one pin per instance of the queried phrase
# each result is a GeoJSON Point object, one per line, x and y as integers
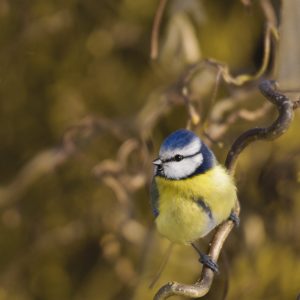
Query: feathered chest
{"type": "Point", "coordinates": [190, 208]}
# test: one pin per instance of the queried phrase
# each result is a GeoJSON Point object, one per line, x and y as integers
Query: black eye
{"type": "Point", "coordinates": [178, 157]}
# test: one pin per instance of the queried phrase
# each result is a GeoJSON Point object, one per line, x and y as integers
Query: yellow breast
{"type": "Point", "coordinates": [181, 219]}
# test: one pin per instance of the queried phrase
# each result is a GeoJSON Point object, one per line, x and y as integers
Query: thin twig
{"type": "Point", "coordinates": [162, 266]}
{"type": "Point", "coordinates": [271, 32]}
{"type": "Point", "coordinates": [156, 29]}
{"type": "Point", "coordinates": [285, 108]}
{"type": "Point", "coordinates": [243, 78]}
{"type": "Point", "coordinates": [217, 129]}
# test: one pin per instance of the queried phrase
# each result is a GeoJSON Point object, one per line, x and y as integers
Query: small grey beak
{"type": "Point", "coordinates": [157, 162]}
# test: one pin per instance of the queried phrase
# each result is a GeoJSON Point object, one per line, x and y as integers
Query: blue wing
{"type": "Point", "coordinates": [154, 198]}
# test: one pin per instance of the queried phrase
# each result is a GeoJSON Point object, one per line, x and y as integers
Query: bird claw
{"type": "Point", "coordinates": [235, 219]}
{"type": "Point", "coordinates": [209, 263]}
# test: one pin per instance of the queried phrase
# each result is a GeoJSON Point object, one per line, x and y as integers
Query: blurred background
{"type": "Point", "coordinates": [83, 112]}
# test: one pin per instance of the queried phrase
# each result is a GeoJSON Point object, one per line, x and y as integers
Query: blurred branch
{"type": "Point", "coordinates": [223, 69]}
{"type": "Point", "coordinates": [47, 161]}
{"type": "Point", "coordinates": [72, 233]}
{"type": "Point", "coordinates": [269, 12]}
{"type": "Point", "coordinates": [271, 31]}
{"type": "Point", "coordinates": [296, 104]}
{"type": "Point", "coordinates": [183, 89]}
{"type": "Point", "coordinates": [115, 174]}
{"type": "Point", "coordinates": [285, 108]}
{"type": "Point", "coordinates": [180, 90]}
{"type": "Point", "coordinates": [156, 29]}
{"type": "Point", "coordinates": [176, 94]}
{"type": "Point", "coordinates": [218, 128]}
{"type": "Point", "coordinates": [89, 128]}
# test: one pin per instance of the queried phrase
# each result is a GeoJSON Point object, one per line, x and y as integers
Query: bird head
{"type": "Point", "coordinates": [182, 154]}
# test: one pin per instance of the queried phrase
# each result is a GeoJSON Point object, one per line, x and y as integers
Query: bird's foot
{"type": "Point", "coordinates": [208, 262]}
{"type": "Point", "coordinates": [235, 219]}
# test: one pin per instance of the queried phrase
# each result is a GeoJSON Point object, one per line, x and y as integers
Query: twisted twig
{"type": "Point", "coordinates": [285, 108]}
{"type": "Point", "coordinates": [223, 69]}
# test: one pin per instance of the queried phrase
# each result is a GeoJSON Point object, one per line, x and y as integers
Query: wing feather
{"type": "Point", "coordinates": [154, 198]}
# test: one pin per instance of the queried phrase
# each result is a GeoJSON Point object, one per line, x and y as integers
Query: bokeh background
{"type": "Point", "coordinates": [83, 111]}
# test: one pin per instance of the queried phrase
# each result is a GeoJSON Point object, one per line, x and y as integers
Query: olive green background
{"type": "Point", "coordinates": [68, 234]}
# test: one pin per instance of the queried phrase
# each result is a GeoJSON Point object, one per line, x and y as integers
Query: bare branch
{"type": "Point", "coordinates": [217, 127]}
{"type": "Point", "coordinates": [285, 108]}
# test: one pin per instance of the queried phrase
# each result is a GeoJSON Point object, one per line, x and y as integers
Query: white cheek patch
{"type": "Point", "coordinates": [183, 168]}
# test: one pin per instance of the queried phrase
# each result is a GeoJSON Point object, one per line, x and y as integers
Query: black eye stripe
{"type": "Point", "coordinates": [181, 157]}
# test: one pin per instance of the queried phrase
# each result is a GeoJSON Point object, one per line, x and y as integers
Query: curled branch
{"type": "Point", "coordinates": [223, 69]}
{"type": "Point", "coordinates": [271, 31]}
{"type": "Point", "coordinates": [285, 108]}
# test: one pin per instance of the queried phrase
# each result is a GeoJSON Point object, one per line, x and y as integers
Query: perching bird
{"type": "Point", "coordinates": [191, 193]}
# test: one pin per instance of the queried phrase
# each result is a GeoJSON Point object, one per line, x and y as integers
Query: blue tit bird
{"type": "Point", "coordinates": [191, 193]}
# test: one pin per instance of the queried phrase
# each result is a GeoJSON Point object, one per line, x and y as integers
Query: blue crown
{"type": "Point", "coordinates": [178, 139]}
